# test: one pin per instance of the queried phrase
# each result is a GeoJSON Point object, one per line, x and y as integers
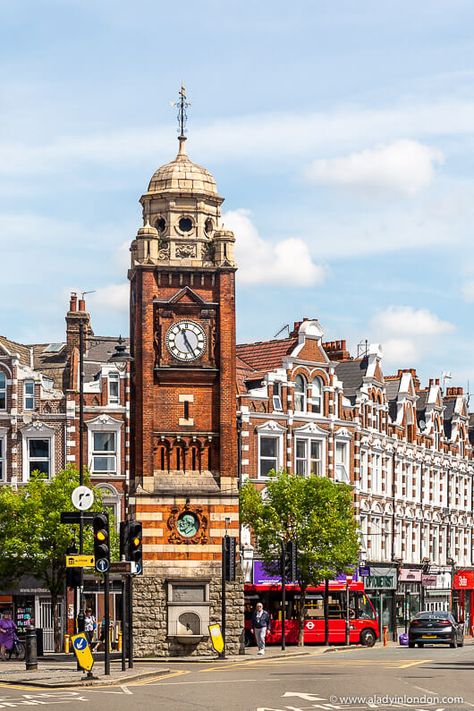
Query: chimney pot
{"type": "Point", "coordinates": [73, 302]}
{"type": "Point", "coordinates": [82, 305]}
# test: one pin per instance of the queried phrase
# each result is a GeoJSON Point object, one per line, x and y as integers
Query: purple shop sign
{"type": "Point", "coordinates": [262, 577]}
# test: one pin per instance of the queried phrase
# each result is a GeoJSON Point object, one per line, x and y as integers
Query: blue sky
{"type": "Point", "coordinates": [340, 134]}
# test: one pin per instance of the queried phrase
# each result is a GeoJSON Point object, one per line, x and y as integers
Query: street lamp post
{"type": "Point", "coordinates": [121, 355]}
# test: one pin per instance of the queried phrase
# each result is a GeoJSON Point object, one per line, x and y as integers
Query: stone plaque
{"type": "Point", "coordinates": [189, 593]}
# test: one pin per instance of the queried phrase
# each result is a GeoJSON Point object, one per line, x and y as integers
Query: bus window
{"type": "Point", "coordinates": [365, 608]}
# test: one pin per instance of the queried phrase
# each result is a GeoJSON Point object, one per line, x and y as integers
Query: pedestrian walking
{"type": "Point", "coordinates": [7, 634]}
{"type": "Point", "coordinates": [260, 626]}
{"type": "Point", "coordinates": [90, 625]}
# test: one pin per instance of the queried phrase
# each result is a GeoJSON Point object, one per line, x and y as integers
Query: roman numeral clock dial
{"type": "Point", "coordinates": [186, 340]}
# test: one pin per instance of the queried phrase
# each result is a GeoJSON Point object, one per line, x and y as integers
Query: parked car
{"type": "Point", "coordinates": [435, 628]}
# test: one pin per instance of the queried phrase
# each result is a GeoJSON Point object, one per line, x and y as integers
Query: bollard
{"type": "Point", "coordinates": [119, 642]}
{"type": "Point", "coordinates": [385, 635]}
{"type": "Point", "coordinates": [67, 642]}
{"type": "Point", "coordinates": [31, 657]}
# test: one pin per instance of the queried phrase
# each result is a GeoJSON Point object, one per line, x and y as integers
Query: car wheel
{"type": "Point", "coordinates": [411, 645]}
{"type": "Point", "coordinates": [368, 638]}
{"type": "Point", "coordinates": [421, 645]}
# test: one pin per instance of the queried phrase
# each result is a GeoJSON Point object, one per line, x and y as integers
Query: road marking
{"type": "Point", "coordinates": [412, 663]}
{"type": "Point", "coordinates": [340, 663]}
{"type": "Point", "coordinates": [152, 679]}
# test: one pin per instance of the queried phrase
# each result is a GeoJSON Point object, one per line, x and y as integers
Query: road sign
{"type": "Point", "coordinates": [217, 639]}
{"type": "Point", "coordinates": [80, 561]}
{"type": "Point", "coordinates": [121, 567]}
{"type": "Point", "coordinates": [82, 651]}
{"type": "Point", "coordinates": [75, 517]}
{"type": "Point", "coordinates": [82, 498]}
{"type": "Point", "coordinates": [102, 565]}
{"type": "Point", "coordinates": [137, 568]}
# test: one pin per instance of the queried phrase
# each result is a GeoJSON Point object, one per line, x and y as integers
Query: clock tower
{"type": "Point", "coordinates": [184, 441]}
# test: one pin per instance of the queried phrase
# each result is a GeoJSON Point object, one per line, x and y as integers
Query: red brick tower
{"type": "Point", "coordinates": [184, 451]}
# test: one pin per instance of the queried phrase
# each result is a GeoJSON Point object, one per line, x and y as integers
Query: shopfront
{"type": "Point", "coordinates": [463, 598]}
{"type": "Point", "coordinates": [409, 595]}
{"type": "Point", "coordinates": [380, 582]}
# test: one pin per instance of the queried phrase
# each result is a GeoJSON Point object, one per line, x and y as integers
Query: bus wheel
{"type": "Point", "coordinates": [367, 638]}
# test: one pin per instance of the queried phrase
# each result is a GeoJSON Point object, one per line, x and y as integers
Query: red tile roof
{"type": "Point", "coordinates": [266, 355]}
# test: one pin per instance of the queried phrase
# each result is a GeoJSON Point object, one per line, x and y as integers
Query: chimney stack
{"type": "Point", "coordinates": [73, 317]}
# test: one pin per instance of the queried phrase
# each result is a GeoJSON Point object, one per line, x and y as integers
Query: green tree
{"type": "Point", "coordinates": [314, 511]}
{"type": "Point", "coordinates": [33, 541]}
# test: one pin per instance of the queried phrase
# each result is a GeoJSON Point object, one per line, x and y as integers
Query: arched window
{"type": "Point", "coordinates": [300, 394]}
{"type": "Point", "coordinates": [436, 434]}
{"type": "Point", "coordinates": [317, 395]}
{"type": "Point", "coordinates": [3, 391]}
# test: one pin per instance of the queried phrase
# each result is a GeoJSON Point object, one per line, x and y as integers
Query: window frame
{"type": "Point", "coordinates": [319, 396]}
{"type": "Point", "coordinates": [277, 458]}
{"type": "Point", "coordinates": [113, 378]}
{"type": "Point", "coordinates": [308, 459]}
{"type": "Point", "coordinates": [29, 396]}
{"type": "Point", "coordinates": [301, 396]}
{"type": "Point", "coordinates": [105, 423]}
{"type": "Point", "coordinates": [276, 397]}
{"type": "Point", "coordinates": [104, 453]}
{"type": "Point", "coordinates": [39, 460]}
{"type": "Point", "coordinates": [3, 391]}
{"type": "Point", "coordinates": [3, 455]}
{"type": "Point", "coordinates": [345, 445]}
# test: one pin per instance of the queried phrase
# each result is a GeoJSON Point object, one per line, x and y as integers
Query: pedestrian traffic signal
{"type": "Point", "coordinates": [229, 551]}
{"type": "Point", "coordinates": [101, 542]}
{"type": "Point", "coordinates": [135, 548]}
{"type": "Point", "coordinates": [291, 561]}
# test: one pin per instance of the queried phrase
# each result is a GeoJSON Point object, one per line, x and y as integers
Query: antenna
{"type": "Point", "coordinates": [87, 292]}
{"type": "Point", "coordinates": [182, 105]}
{"type": "Point", "coordinates": [362, 348]}
{"type": "Point", "coordinates": [286, 327]}
{"type": "Point", "coordinates": [446, 375]}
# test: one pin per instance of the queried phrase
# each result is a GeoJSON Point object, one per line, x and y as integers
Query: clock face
{"type": "Point", "coordinates": [186, 340]}
{"type": "Point", "coordinates": [187, 525]}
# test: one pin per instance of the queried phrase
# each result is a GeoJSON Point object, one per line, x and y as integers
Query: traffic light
{"type": "Point", "coordinates": [135, 550]}
{"type": "Point", "coordinates": [124, 526]}
{"type": "Point", "coordinates": [101, 542]}
{"type": "Point", "coordinates": [73, 575]}
{"type": "Point", "coordinates": [229, 549]}
{"type": "Point", "coordinates": [291, 561]}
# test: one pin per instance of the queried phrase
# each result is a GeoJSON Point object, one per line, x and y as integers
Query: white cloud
{"type": "Point", "coordinates": [407, 333]}
{"type": "Point", "coordinates": [403, 167]}
{"type": "Point", "coordinates": [468, 291]}
{"type": "Point", "coordinates": [285, 263]}
{"type": "Point", "coordinates": [113, 297]}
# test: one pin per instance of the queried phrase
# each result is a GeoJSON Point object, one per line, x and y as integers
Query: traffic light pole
{"type": "Point", "coordinates": [107, 623]}
{"type": "Point", "coordinates": [130, 621]}
{"type": "Point", "coordinates": [283, 593]}
{"type": "Point", "coordinates": [81, 615]}
{"type": "Point", "coordinates": [124, 624]}
{"type": "Point", "coordinates": [223, 600]}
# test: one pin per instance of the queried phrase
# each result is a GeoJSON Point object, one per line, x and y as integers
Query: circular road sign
{"type": "Point", "coordinates": [80, 643]}
{"type": "Point", "coordinates": [82, 498]}
{"type": "Point", "coordinates": [102, 565]}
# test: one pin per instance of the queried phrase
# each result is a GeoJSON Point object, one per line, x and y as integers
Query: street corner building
{"type": "Point", "coordinates": [184, 485]}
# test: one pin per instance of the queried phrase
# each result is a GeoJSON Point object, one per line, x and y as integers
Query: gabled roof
{"type": "Point", "coordinates": [351, 373]}
{"type": "Point", "coordinates": [266, 355]}
{"type": "Point", "coordinates": [14, 347]}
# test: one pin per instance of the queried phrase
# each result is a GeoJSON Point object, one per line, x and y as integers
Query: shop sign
{"type": "Point", "coordinates": [464, 580]}
{"type": "Point", "coordinates": [381, 579]}
{"type": "Point", "coordinates": [429, 581]}
{"type": "Point", "coordinates": [410, 575]}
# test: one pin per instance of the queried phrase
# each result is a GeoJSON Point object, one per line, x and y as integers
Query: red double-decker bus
{"type": "Point", "coordinates": [362, 615]}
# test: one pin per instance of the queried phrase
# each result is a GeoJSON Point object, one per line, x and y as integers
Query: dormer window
{"type": "Point", "coordinates": [437, 434]}
{"type": "Point", "coordinates": [29, 395]}
{"type": "Point", "coordinates": [3, 391]}
{"type": "Point", "coordinates": [277, 396]}
{"type": "Point", "coordinates": [114, 389]}
{"type": "Point", "coordinates": [300, 394]}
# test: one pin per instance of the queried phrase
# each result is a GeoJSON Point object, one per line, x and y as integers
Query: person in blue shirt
{"type": "Point", "coordinates": [260, 626]}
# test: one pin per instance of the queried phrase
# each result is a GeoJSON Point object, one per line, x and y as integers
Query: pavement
{"type": "Point", "coordinates": [56, 671]}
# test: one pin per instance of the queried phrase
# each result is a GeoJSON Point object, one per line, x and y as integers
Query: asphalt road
{"type": "Point", "coordinates": [394, 677]}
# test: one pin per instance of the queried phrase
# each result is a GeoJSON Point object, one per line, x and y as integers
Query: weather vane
{"type": "Point", "coordinates": [182, 105]}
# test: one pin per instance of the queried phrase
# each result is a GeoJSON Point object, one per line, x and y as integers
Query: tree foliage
{"type": "Point", "coordinates": [317, 513]}
{"type": "Point", "coordinates": [33, 541]}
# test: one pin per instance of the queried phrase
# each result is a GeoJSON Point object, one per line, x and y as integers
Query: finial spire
{"type": "Point", "coordinates": [182, 105]}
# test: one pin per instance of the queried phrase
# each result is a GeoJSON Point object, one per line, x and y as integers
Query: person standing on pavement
{"type": "Point", "coordinates": [260, 626]}
{"type": "Point", "coordinates": [7, 634]}
{"type": "Point", "coordinates": [89, 625]}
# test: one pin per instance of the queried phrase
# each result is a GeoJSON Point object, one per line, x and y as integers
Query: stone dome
{"type": "Point", "coordinates": [181, 175]}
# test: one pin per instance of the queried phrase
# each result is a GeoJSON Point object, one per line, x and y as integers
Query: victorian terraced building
{"type": "Point", "coordinates": [309, 407]}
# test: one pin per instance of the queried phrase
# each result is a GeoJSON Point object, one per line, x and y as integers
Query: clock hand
{"type": "Point", "coordinates": [186, 341]}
